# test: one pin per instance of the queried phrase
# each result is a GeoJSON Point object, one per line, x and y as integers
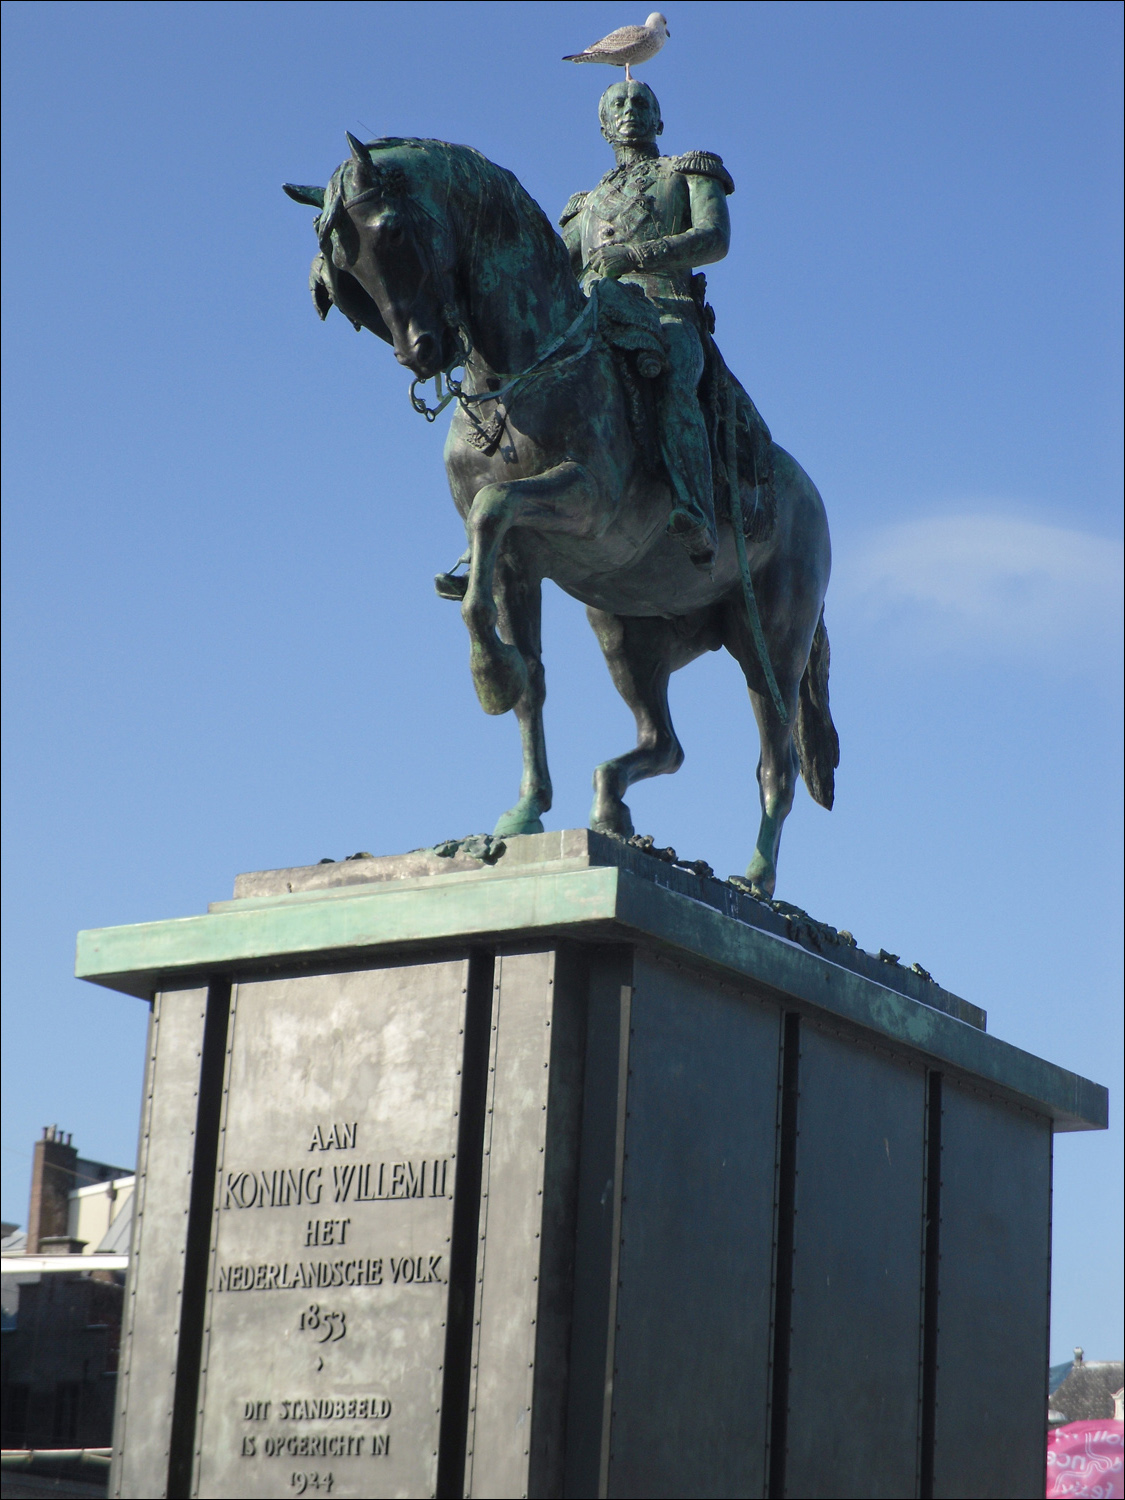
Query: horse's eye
{"type": "Point", "coordinates": [391, 233]}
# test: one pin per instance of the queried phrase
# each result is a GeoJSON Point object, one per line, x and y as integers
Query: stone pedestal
{"type": "Point", "coordinates": [559, 1169]}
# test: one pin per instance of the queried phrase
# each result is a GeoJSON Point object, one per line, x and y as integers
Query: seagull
{"type": "Point", "coordinates": [627, 45]}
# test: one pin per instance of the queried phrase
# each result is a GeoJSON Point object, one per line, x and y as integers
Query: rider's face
{"type": "Point", "coordinates": [630, 114]}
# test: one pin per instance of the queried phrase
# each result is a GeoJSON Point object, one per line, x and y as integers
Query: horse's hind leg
{"type": "Point", "coordinates": [519, 601]}
{"type": "Point", "coordinates": [642, 653]}
{"type": "Point", "coordinates": [777, 784]}
{"type": "Point", "coordinates": [777, 764]}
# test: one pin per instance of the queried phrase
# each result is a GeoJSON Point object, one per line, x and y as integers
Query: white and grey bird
{"type": "Point", "coordinates": [627, 46]}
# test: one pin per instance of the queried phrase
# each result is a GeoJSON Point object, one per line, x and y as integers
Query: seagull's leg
{"type": "Point", "coordinates": [628, 75]}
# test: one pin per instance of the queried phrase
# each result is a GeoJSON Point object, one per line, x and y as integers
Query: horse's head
{"type": "Point", "coordinates": [440, 252]}
{"type": "Point", "coordinates": [377, 228]}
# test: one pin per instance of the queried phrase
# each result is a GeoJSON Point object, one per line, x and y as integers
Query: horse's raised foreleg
{"type": "Point", "coordinates": [642, 653]}
{"type": "Point", "coordinates": [519, 598]}
{"type": "Point", "coordinates": [556, 500]}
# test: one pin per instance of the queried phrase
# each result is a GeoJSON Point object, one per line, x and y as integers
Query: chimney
{"type": "Point", "coordinates": [54, 1169]}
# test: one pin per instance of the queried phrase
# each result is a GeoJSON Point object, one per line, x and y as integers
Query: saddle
{"type": "Point", "coordinates": [753, 446]}
{"type": "Point", "coordinates": [630, 324]}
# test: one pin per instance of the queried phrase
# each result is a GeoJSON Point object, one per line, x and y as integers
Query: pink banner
{"type": "Point", "coordinates": [1085, 1459]}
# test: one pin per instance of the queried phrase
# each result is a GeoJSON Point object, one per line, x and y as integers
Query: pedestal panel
{"type": "Point", "coordinates": [690, 1362]}
{"type": "Point", "coordinates": [326, 1313]}
{"type": "Point", "coordinates": [856, 1341]}
{"type": "Point", "coordinates": [994, 1299]}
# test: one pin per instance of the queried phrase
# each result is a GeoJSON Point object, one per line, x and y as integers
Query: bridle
{"type": "Point", "coordinates": [545, 360]}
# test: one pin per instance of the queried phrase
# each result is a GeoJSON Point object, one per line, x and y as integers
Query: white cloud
{"type": "Point", "coordinates": [990, 580]}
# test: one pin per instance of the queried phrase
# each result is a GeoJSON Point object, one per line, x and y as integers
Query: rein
{"type": "Point", "coordinates": [467, 399]}
{"type": "Point", "coordinates": [737, 521]}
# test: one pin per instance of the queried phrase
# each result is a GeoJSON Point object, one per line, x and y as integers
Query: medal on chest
{"type": "Point", "coordinates": [625, 203]}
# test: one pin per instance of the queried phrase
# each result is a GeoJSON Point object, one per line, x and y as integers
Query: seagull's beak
{"type": "Point", "coordinates": [667, 32]}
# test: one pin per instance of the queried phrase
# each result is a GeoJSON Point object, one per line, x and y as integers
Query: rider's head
{"type": "Point", "coordinates": [630, 114]}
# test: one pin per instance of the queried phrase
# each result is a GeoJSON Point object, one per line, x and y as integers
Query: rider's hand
{"type": "Point", "coordinates": [612, 261]}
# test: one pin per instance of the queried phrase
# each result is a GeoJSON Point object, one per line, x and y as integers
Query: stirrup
{"type": "Point", "coordinates": [450, 585]}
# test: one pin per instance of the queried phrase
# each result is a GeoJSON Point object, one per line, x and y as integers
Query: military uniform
{"type": "Point", "coordinates": [669, 213]}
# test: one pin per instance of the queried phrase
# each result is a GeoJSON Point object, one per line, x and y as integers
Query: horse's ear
{"type": "Point", "coordinates": [313, 196]}
{"type": "Point", "coordinates": [362, 173]}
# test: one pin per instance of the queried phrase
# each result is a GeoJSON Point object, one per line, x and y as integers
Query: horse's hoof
{"type": "Point", "coordinates": [616, 820]}
{"type": "Point", "coordinates": [762, 878]}
{"type": "Point", "coordinates": [500, 677]}
{"type": "Point", "coordinates": [517, 820]}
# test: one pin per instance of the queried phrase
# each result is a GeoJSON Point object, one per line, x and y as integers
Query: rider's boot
{"type": "Point", "coordinates": [687, 457]}
{"type": "Point", "coordinates": [695, 535]}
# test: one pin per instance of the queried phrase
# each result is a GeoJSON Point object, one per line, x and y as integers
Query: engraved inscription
{"type": "Point", "coordinates": [372, 1182]}
{"type": "Point", "coordinates": [327, 1232]}
{"type": "Point", "coordinates": [416, 1269]}
{"type": "Point", "coordinates": [273, 1189]}
{"type": "Point", "coordinates": [314, 1409]}
{"type": "Point", "coordinates": [328, 1327]}
{"type": "Point", "coordinates": [338, 1138]}
{"type": "Point", "coordinates": [318, 1409]}
{"type": "Point", "coordinates": [337, 1200]}
{"type": "Point", "coordinates": [302, 1483]}
{"type": "Point", "coordinates": [320, 1445]}
{"type": "Point", "coordinates": [332, 1409]}
{"type": "Point", "coordinates": [319, 1275]}
{"type": "Point", "coordinates": [310, 1275]}
{"type": "Point", "coordinates": [352, 1182]}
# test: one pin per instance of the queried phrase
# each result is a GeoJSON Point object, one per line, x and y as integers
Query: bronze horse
{"type": "Point", "coordinates": [445, 256]}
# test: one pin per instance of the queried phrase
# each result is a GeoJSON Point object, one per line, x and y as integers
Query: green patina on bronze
{"type": "Point", "coordinates": [598, 439]}
{"type": "Point", "coordinates": [355, 925]}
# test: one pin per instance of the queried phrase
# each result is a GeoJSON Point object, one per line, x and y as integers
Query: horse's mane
{"type": "Point", "coordinates": [491, 203]}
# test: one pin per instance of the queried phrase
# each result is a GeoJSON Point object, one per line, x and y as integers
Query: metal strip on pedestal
{"type": "Point", "coordinates": [152, 1323]}
{"type": "Point", "coordinates": [457, 1374]}
{"type": "Point", "coordinates": [597, 1234]}
{"type": "Point", "coordinates": [510, 1241]}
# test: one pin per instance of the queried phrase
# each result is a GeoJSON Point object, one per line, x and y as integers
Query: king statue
{"type": "Point", "coordinates": [598, 441]}
{"type": "Point", "coordinates": [652, 220]}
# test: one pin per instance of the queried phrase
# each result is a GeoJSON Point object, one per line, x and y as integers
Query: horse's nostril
{"type": "Point", "coordinates": [425, 353]}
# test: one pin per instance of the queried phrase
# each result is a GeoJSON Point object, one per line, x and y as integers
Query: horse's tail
{"type": "Point", "coordinates": [818, 744]}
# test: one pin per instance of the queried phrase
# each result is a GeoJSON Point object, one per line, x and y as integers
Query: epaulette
{"type": "Point", "coordinates": [705, 164]}
{"type": "Point", "coordinates": [574, 205]}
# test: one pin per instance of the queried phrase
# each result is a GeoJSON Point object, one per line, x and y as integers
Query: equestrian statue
{"type": "Point", "coordinates": [598, 439]}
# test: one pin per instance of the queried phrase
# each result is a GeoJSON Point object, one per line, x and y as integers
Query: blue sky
{"type": "Point", "coordinates": [222, 647]}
